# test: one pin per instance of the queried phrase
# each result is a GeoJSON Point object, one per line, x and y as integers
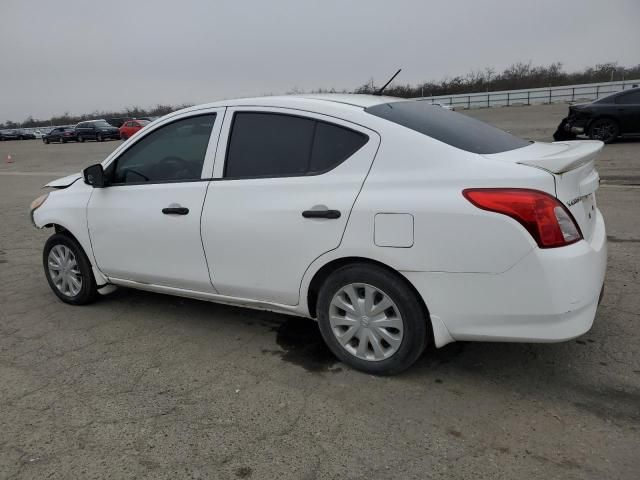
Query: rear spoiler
{"type": "Point", "coordinates": [574, 154]}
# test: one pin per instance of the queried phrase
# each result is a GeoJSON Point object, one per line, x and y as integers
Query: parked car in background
{"type": "Point", "coordinates": [98, 130]}
{"type": "Point", "coordinates": [130, 127]}
{"type": "Point", "coordinates": [457, 230]}
{"type": "Point", "coordinates": [25, 135]}
{"type": "Point", "coordinates": [117, 121]}
{"type": "Point", "coordinates": [605, 119]}
{"type": "Point", "coordinates": [9, 135]}
{"type": "Point", "coordinates": [37, 133]}
{"type": "Point", "coordinates": [61, 135]}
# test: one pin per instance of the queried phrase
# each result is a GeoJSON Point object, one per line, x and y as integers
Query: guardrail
{"type": "Point", "coordinates": [506, 98]}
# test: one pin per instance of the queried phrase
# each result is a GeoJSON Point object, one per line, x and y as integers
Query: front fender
{"type": "Point", "coordinates": [67, 209]}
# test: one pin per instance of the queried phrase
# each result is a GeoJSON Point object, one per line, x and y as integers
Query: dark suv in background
{"type": "Point", "coordinates": [98, 130]}
{"type": "Point", "coordinates": [605, 119]}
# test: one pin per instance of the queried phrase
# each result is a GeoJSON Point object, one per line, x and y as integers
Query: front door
{"type": "Point", "coordinates": [285, 185]}
{"type": "Point", "coordinates": [628, 106]}
{"type": "Point", "coordinates": [145, 225]}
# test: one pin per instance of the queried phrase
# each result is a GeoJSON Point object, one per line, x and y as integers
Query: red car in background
{"type": "Point", "coordinates": [130, 127]}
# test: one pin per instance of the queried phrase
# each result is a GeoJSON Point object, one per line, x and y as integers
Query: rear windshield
{"type": "Point", "coordinates": [453, 128]}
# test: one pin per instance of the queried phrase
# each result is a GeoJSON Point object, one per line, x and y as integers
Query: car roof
{"type": "Point", "coordinates": [307, 101]}
{"type": "Point", "coordinates": [613, 95]}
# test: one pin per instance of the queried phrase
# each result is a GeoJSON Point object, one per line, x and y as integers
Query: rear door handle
{"type": "Point", "coordinates": [175, 210]}
{"type": "Point", "coordinates": [332, 214]}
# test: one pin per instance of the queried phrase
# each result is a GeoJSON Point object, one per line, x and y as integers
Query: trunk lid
{"type": "Point", "coordinates": [572, 165]}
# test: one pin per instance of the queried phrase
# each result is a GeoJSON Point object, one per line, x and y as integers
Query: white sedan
{"type": "Point", "coordinates": [394, 223]}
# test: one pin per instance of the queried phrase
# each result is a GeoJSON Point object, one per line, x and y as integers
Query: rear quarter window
{"type": "Point", "coordinates": [452, 128]}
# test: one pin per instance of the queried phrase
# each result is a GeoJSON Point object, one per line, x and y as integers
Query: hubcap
{"type": "Point", "coordinates": [64, 271]}
{"type": "Point", "coordinates": [603, 131]}
{"type": "Point", "coordinates": [366, 322]}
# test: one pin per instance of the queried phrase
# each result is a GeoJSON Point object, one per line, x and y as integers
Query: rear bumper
{"type": "Point", "coordinates": [551, 295]}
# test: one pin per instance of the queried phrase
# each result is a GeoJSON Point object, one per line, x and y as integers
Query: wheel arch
{"type": "Point", "coordinates": [601, 116]}
{"type": "Point", "coordinates": [435, 337]}
{"type": "Point", "coordinates": [101, 280]}
{"type": "Point", "coordinates": [328, 268]}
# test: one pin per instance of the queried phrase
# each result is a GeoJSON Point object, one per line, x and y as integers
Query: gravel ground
{"type": "Point", "coordinates": [140, 385]}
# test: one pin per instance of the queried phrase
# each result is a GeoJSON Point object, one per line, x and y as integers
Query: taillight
{"type": "Point", "coordinates": [545, 218]}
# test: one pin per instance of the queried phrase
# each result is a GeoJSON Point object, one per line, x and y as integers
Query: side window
{"type": "Point", "coordinates": [280, 145]}
{"type": "Point", "coordinates": [174, 152]}
{"type": "Point", "coordinates": [268, 145]}
{"type": "Point", "coordinates": [632, 98]}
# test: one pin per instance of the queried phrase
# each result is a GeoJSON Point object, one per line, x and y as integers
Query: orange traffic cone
{"type": "Point", "coordinates": [9, 159]}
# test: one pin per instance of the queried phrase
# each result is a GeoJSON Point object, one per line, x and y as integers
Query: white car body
{"type": "Point", "coordinates": [480, 274]}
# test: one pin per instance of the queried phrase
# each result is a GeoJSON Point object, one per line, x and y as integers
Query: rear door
{"type": "Point", "coordinates": [284, 185]}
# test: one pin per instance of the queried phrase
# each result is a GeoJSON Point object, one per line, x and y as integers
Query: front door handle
{"type": "Point", "coordinates": [175, 210]}
{"type": "Point", "coordinates": [332, 214]}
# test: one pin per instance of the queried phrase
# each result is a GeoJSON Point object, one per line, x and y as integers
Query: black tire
{"type": "Point", "coordinates": [414, 317]}
{"type": "Point", "coordinates": [88, 290]}
{"type": "Point", "coordinates": [123, 137]}
{"type": "Point", "coordinates": [80, 139]}
{"type": "Point", "coordinates": [46, 141]}
{"type": "Point", "coordinates": [604, 129]}
{"type": "Point", "coordinates": [99, 138]}
{"type": "Point", "coordinates": [62, 140]}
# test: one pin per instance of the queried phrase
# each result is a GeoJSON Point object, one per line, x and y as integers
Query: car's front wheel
{"type": "Point", "coordinates": [68, 270]}
{"type": "Point", "coordinates": [371, 319]}
{"type": "Point", "coordinates": [99, 138]}
{"type": "Point", "coordinates": [45, 140]}
{"type": "Point", "coordinates": [604, 129]}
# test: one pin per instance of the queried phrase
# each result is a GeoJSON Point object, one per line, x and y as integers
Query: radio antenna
{"type": "Point", "coordinates": [379, 92]}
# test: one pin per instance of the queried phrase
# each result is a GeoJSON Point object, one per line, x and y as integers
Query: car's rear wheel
{"type": "Point", "coordinates": [63, 140]}
{"type": "Point", "coordinates": [371, 319]}
{"type": "Point", "coordinates": [68, 270]}
{"type": "Point", "coordinates": [80, 139]}
{"type": "Point", "coordinates": [604, 129]}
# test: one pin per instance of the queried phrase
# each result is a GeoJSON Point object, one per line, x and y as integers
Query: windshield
{"type": "Point", "coordinates": [450, 127]}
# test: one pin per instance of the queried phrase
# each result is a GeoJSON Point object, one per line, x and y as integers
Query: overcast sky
{"type": "Point", "coordinates": [80, 56]}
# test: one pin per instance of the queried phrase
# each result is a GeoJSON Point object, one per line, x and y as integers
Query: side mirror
{"type": "Point", "coordinates": [94, 176]}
